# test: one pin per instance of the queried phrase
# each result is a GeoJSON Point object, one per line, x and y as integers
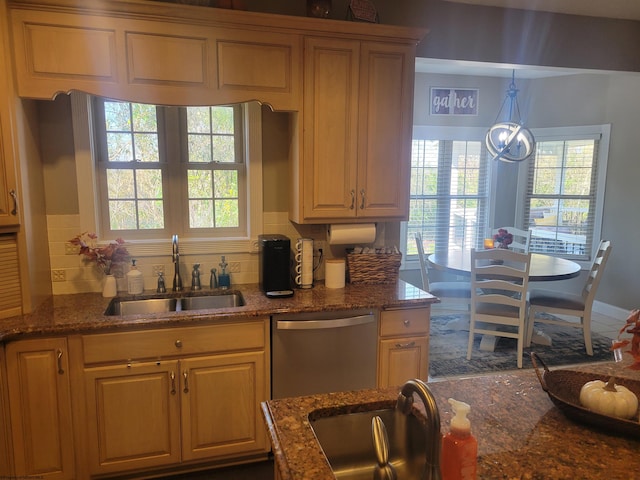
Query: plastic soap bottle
{"type": "Point", "coordinates": [135, 280]}
{"type": "Point", "coordinates": [459, 447]}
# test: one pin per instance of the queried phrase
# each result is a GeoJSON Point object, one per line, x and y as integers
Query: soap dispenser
{"type": "Point", "coordinates": [224, 281]}
{"type": "Point", "coordinates": [459, 447]}
{"type": "Point", "coordinates": [135, 280]}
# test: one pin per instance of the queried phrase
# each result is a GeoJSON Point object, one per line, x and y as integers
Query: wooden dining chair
{"type": "Point", "coordinates": [499, 282]}
{"type": "Point", "coordinates": [571, 304]}
{"type": "Point", "coordinates": [521, 238]}
{"type": "Point", "coordinates": [456, 293]}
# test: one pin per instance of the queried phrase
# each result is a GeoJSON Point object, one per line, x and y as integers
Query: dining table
{"type": "Point", "coordinates": [543, 268]}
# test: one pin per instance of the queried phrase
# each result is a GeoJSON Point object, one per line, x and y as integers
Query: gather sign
{"type": "Point", "coordinates": [454, 101]}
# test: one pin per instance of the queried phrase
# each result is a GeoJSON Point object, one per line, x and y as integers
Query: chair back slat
{"type": "Point", "coordinates": [424, 272]}
{"type": "Point", "coordinates": [595, 273]}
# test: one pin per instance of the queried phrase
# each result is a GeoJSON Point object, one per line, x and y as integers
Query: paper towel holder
{"type": "Point", "coordinates": [366, 236]}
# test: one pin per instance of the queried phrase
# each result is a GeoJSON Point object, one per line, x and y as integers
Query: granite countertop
{"type": "Point", "coordinates": [84, 313]}
{"type": "Point", "coordinates": [521, 434]}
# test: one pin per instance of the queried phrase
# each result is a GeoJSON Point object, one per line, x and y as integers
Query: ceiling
{"type": "Point", "coordinates": [626, 9]}
{"type": "Point", "coordinates": [503, 70]}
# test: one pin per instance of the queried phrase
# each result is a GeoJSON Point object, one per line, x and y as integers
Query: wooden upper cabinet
{"type": "Point", "coordinates": [154, 61]}
{"type": "Point", "coordinates": [8, 180]}
{"type": "Point", "coordinates": [358, 104]}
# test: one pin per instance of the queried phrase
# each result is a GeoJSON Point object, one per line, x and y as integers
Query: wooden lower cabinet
{"type": "Point", "coordinates": [191, 409]}
{"type": "Point", "coordinates": [403, 349]}
{"type": "Point", "coordinates": [40, 408]}
{"type": "Point", "coordinates": [133, 414]}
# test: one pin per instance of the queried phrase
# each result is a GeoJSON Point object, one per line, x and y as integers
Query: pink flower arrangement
{"type": "Point", "coordinates": [503, 238]}
{"type": "Point", "coordinates": [632, 326]}
{"type": "Point", "coordinates": [104, 256]}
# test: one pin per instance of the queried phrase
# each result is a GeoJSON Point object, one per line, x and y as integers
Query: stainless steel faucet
{"type": "Point", "coordinates": [432, 425]}
{"type": "Point", "coordinates": [177, 280]}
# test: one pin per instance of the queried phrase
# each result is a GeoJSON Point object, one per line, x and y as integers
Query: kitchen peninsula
{"type": "Point", "coordinates": [521, 434]}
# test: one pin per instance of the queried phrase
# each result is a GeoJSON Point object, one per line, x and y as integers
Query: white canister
{"type": "Point", "coordinates": [334, 273]}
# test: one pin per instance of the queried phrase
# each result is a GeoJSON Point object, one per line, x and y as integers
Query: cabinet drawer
{"type": "Point", "coordinates": [159, 343]}
{"type": "Point", "coordinates": [413, 321]}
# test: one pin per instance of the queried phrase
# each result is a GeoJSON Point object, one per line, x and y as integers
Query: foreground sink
{"type": "Point", "coordinates": [347, 443]}
{"type": "Point", "coordinates": [141, 306]}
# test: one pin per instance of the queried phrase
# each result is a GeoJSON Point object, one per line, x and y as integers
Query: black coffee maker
{"type": "Point", "coordinates": [275, 265]}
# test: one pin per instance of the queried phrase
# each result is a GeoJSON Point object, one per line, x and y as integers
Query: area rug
{"type": "Point", "coordinates": [448, 350]}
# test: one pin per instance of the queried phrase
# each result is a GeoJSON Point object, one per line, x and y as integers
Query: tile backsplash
{"type": "Point", "coordinates": [70, 273]}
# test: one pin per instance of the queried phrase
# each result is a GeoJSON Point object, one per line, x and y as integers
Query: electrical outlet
{"type": "Point", "coordinates": [70, 249]}
{"type": "Point", "coordinates": [234, 267]}
{"type": "Point", "coordinates": [157, 270]}
{"type": "Point", "coordinates": [58, 275]}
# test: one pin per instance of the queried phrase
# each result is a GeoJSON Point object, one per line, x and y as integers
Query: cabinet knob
{"type": "Point", "coordinates": [178, 343]}
{"type": "Point", "coordinates": [407, 323]}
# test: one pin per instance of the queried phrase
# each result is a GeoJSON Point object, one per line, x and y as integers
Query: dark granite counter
{"type": "Point", "coordinates": [84, 313]}
{"type": "Point", "coordinates": [521, 434]}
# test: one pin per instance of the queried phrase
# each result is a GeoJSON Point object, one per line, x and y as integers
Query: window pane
{"type": "Point", "coordinates": [198, 120]}
{"type": "Point", "coordinates": [117, 116]}
{"type": "Point", "coordinates": [222, 120]}
{"type": "Point", "coordinates": [223, 149]}
{"type": "Point", "coordinates": [144, 117]}
{"type": "Point", "coordinates": [199, 184]}
{"type": "Point", "coordinates": [200, 149]}
{"type": "Point", "coordinates": [227, 213]}
{"type": "Point", "coordinates": [201, 214]}
{"type": "Point", "coordinates": [146, 147]}
{"type": "Point", "coordinates": [119, 147]}
{"type": "Point", "coordinates": [226, 183]}
{"type": "Point", "coordinates": [120, 184]}
{"type": "Point", "coordinates": [149, 183]}
{"type": "Point", "coordinates": [150, 214]}
{"type": "Point", "coordinates": [122, 215]}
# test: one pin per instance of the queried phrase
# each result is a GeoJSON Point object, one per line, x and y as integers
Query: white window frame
{"type": "Point", "coordinates": [88, 190]}
{"type": "Point", "coordinates": [474, 134]}
{"type": "Point", "coordinates": [599, 132]}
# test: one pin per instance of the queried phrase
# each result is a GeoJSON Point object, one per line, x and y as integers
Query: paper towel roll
{"type": "Point", "coordinates": [352, 234]}
{"type": "Point", "coordinates": [334, 273]}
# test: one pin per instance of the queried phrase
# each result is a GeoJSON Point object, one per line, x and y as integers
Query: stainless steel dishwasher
{"type": "Point", "coordinates": [323, 352]}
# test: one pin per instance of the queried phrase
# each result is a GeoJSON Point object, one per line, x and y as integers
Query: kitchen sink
{"type": "Point", "coordinates": [149, 305]}
{"type": "Point", "coordinates": [346, 441]}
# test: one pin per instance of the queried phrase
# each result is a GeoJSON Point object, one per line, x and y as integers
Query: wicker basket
{"type": "Point", "coordinates": [373, 268]}
{"type": "Point", "coordinates": [563, 388]}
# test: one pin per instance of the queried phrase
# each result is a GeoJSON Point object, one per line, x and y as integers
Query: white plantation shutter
{"type": "Point", "coordinates": [561, 202]}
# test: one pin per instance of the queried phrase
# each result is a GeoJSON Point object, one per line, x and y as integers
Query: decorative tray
{"type": "Point", "coordinates": [563, 388]}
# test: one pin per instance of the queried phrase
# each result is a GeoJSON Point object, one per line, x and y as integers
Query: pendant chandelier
{"type": "Point", "coordinates": [510, 141]}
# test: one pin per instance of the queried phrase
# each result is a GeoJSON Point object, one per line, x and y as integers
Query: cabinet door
{"type": "Point", "coordinates": [221, 398]}
{"type": "Point", "coordinates": [8, 183]}
{"type": "Point", "coordinates": [40, 408]}
{"type": "Point", "coordinates": [331, 72]}
{"type": "Point", "coordinates": [133, 416]}
{"type": "Point", "coordinates": [386, 118]}
{"type": "Point", "coordinates": [402, 359]}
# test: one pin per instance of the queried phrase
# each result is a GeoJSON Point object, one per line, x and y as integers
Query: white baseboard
{"type": "Point", "coordinates": [610, 310]}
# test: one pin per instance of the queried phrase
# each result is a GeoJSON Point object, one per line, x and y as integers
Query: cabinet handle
{"type": "Point", "coordinates": [172, 376]}
{"type": "Point", "coordinates": [362, 202]}
{"type": "Point", "coordinates": [186, 381]}
{"type": "Point", "coordinates": [405, 345]}
{"type": "Point", "coordinates": [14, 195]}
{"type": "Point", "coordinates": [353, 199]}
{"type": "Point", "coordinates": [60, 369]}
{"type": "Point", "coordinates": [406, 322]}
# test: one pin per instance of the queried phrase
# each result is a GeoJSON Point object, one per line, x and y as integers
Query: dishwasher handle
{"type": "Point", "coordinates": [323, 324]}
